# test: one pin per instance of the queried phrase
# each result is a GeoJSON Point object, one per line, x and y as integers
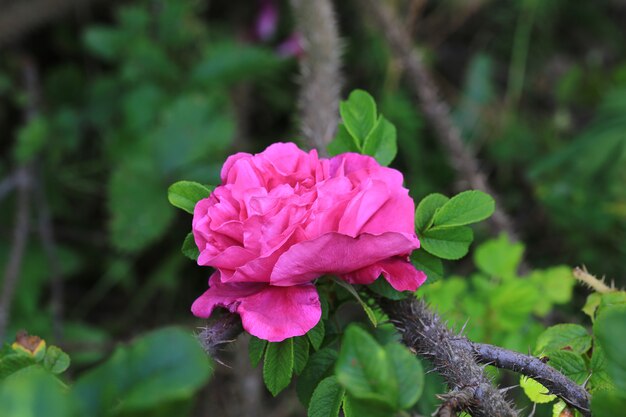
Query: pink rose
{"type": "Point", "coordinates": [283, 218]}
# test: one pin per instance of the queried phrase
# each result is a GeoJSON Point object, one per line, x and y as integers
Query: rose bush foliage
{"type": "Point", "coordinates": [283, 218]}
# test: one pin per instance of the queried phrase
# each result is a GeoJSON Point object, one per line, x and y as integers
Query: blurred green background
{"type": "Point", "coordinates": [106, 104]}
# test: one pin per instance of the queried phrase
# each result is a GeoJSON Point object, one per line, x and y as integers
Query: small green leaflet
{"type": "Point", "coordinates": [56, 361]}
{"type": "Point", "coordinates": [278, 365]}
{"type": "Point", "coordinates": [450, 243]}
{"type": "Point", "coordinates": [319, 366]}
{"type": "Point", "coordinates": [326, 399]}
{"type": "Point", "coordinates": [185, 194]}
{"type": "Point", "coordinates": [316, 335]}
{"type": "Point", "coordinates": [464, 208]}
{"type": "Point", "coordinates": [536, 392]}
{"type": "Point", "coordinates": [189, 248]}
{"type": "Point", "coordinates": [359, 115]}
{"type": "Point", "coordinates": [363, 130]}
{"type": "Point", "coordinates": [563, 336]}
{"type": "Point", "coordinates": [256, 349]}
{"type": "Point", "coordinates": [426, 210]}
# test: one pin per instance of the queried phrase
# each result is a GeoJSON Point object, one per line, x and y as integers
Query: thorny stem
{"type": "Point", "coordinates": [436, 111]}
{"type": "Point", "coordinates": [558, 384]}
{"type": "Point", "coordinates": [424, 333]}
{"type": "Point", "coordinates": [591, 281]}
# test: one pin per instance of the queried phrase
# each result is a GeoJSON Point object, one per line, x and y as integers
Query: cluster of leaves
{"type": "Point", "coordinates": [157, 374]}
{"type": "Point", "coordinates": [595, 360]}
{"type": "Point", "coordinates": [500, 303]}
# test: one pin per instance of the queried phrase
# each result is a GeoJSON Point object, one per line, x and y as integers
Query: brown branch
{"type": "Point", "coordinates": [20, 17]}
{"type": "Point", "coordinates": [320, 76]}
{"type": "Point", "coordinates": [436, 111]}
{"type": "Point", "coordinates": [558, 384]}
{"type": "Point", "coordinates": [424, 333]}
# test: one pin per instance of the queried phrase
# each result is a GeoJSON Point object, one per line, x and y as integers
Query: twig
{"type": "Point", "coordinates": [320, 77]}
{"type": "Point", "coordinates": [558, 384]}
{"type": "Point", "coordinates": [598, 285]}
{"type": "Point", "coordinates": [436, 111]}
{"type": "Point", "coordinates": [424, 333]}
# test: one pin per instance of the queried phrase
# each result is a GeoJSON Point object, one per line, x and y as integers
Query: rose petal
{"type": "Point", "coordinates": [400, 273]}
{"type": "Point", "coordinates": [334, 253]}
{"type": "Point", "coordinates": [277, 313]}
{"type": "Point", "coordinates": [222, 295]}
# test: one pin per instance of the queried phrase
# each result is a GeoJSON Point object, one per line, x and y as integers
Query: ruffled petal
{"type": "Point", "coordinates": [400, 273]}
{"type": "Point", "coordinates": [334, 253]}
{"type": "Point", "coordinates": [278, 313]}
{"type": "Point", "coordinates": [222, 295]}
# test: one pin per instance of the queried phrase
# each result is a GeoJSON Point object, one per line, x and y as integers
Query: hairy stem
{"type": "Point", "coordinates": [424, 333]}
{"type": "Point", "coordinates": [320, 75]}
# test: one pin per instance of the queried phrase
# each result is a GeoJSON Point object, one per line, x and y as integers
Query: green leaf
{"type": "Point", "coordinates": [600, 378]}
{"type": "Point", "coordinates": [278, 365]}
{"type": "Point", "coordinates": [13, 362]}
{"type": "Point", "coordinates": [316, 334]}
{"type": "Point", "coordinates": [555, 284]}
{"type": "Point", "coordinates": [228, 62]}
{"type": "Point", "coordinates": [34, 392]}
{"type": "Point", "coordinates": [427, 263]}
{"type": "Point", "coordinates": [464, 208]}
{"type": "Point", "coordinates": [189, 248]}
{"type": "Point", "coordinates": [140, 213]}
{"type": "Point", "coordinates": [185, 194]}
{"type": "Point", "coordinates": [56, 361]}
{"type": "Point", "coordinates": [343, 142]}
{"type": "Point", "coordinates": [558, 408]}
{"type": "Point", "coordinates": [563, 336]}
{"type": "Point", "coordinates": [592, 304]}
{"type": "Point", "coordinates": [514, 301]}
{"type": "Point", "coordinates": [103, 42]}
{"type": "Point", "coordinates": [452, 243]}
{"type": "Point", "coordinates": [363, 368]}
{"type": "Point", "coordinates": [426, 210]}
{"type": "Point", "coordinates": [319, 366]}
{"type": "Point", "coordinates": [193, 129]}
{"type": "Point", "coordinates": [162, 366]}
{"type": "Point", "coordinates": [326, 399]}
{"type": "Point", "coordinates": [256, 348]}
{"type": "Point", "coordinates": [536, 392]}
{"type": "Point", "coordinates": [609, 403]}
{"type": "Point", "coordinates": [381, 143]}
{"type": "Point", "coordinates": [359, 115]}
{"type": "Point", "coordinates": [570, 364]}
{"type": "Point", "coordinates": [354, 407]}
{"type": "Point", "coordinates": [610, 333]}
{"type": "Point", "coordinates": [382, 287]}
{"type": "Point", "coordinates": [409, 375]}
{"type": "Point", "coordinates": [300, 353]}
{"type": "Point", "coordinates": [30, 139]}
{"type": "Point", "coordinates": [499, 257]}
